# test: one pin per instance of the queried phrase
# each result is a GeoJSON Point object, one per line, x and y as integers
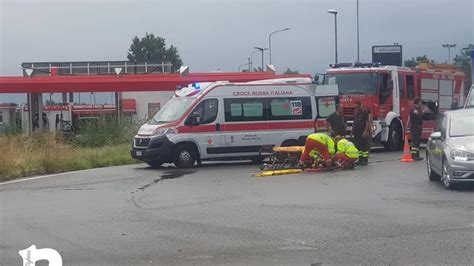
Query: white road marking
{"type": "Point", "coordinates": [45, 176]}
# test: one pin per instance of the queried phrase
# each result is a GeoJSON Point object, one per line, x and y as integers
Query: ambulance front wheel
{"type": "Point", "coordinates": [185, 156]}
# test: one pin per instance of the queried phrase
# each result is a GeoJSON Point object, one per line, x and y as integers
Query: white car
{"type": "Point", "coordinates": [469, 103]}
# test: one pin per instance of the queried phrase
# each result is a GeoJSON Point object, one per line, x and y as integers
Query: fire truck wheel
{"type": "Point", "coordinates": [395, 140]}
{"type": "Point", "coordinates": [185, 156]}
{"type": "Point", "coordinates": [154, 164]}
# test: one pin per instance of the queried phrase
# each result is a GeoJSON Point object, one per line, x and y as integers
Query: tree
{"type": "Point", "coordinates": [462, 61]}
{"type": "Point", "coordinates": [288, 71]}
{"type": "Point", "coordinates": [153, 49]}
{"type": "Point", "coordinates": [413, 62]}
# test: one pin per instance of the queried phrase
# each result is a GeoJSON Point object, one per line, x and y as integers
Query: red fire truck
{"type": "Point", "coordinates": [389, 90]}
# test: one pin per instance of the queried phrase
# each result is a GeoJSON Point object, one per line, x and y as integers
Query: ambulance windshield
{"type": "Point", "coordinates": [353, 83]}
{"type": "Point", "coordinates": [172, 110]}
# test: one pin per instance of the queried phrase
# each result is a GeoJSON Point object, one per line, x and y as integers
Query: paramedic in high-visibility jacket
{"type": "Point", "coordinates": [347, 154]}
{"type": "Point", "coordinates": [318, 146]}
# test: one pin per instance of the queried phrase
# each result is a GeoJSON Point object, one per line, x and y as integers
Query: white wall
{"type": "Point", "coordinates": [143, 98]}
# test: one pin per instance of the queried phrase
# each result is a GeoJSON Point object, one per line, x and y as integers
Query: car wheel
{"type": "Point", "coordinates": [446, 178]}
{"type": "Point", "coordinates": [185, 156]}
{"type": "Point", "coordinates": [154, 164]}
{"type": "Point", "coordinates": [395, 138]}
{"type": "Point", "coordinates": [432, 176]}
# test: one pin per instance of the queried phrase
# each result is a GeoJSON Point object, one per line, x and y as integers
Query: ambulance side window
{"type": "Point", "coordinates": [293, 108]}
{"type": "Point", "coordinates": [245, 110]}
{"type": "Point", "coordinates": [326, 106]}
{"type": "Point", "coordinates": [207, 111]}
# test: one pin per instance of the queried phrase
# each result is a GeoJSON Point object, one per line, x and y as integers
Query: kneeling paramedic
{"type": "Point", "coordinates": [347, 153]}
{"type": "Point", "coordinates": [318, 146]}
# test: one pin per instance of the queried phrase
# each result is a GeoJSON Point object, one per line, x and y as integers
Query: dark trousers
{"type": "Point", "coordinates": [415, 132]}
{"type": "Point", "coordinates": [362, 144]}
{"type": "Point", "coordinates": [415, 136]}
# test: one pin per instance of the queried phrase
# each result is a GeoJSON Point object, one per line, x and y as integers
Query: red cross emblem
{"type": "Point", "coordinates": [210, 141]}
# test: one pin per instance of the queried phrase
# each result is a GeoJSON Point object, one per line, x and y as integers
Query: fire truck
{"type": "Point", "coordinates": [388, 92]}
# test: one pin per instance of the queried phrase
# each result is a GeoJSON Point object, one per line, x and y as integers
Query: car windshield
{"type": "Point", "coordinates": [462, 125]}
{"type": "Point", "coordinates": [172, 111]}
{"type": "Point", "coordinates": [352, 83]}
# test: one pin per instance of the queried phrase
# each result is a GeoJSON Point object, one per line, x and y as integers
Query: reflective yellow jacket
{"type": "Point", "coordinates": [348, 148]}
{"type": "Point", "coordinates": [325, 140]}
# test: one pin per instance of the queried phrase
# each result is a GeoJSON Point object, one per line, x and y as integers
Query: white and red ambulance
{"type": "Point", "coordinates": [221, 120]}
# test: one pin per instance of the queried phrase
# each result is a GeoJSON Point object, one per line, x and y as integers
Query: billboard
{"type": "Point", "coordinates": [387, 54]}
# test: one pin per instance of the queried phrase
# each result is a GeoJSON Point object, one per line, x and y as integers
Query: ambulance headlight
{"type": "Point", "coordinates": [165, 131]}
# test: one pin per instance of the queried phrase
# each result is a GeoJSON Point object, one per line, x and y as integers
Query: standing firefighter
{"type": "Point", "coordinates": [416, 127]}
{"type": "Point", "coordinates": [347, 154]}
{"type": "Point", "coordinates": [361, 131]}
{"type": "Point", "coordinates": [318, 146]}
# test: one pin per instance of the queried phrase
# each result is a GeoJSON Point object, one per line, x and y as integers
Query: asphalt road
{"type": "Point", "coordinates": [384, 213]}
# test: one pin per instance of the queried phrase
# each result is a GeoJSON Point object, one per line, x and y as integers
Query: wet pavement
{"type": "Point", "coordinates": [384, 213]}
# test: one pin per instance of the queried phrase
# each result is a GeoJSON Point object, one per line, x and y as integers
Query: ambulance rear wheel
{"type": "Point", "coordinates": [185, 156]}
{"type": "Point", "coordinates": [395, 138]}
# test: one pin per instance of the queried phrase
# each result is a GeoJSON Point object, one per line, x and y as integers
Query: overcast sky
{"type": "Point", "coordinates": [221, 34]}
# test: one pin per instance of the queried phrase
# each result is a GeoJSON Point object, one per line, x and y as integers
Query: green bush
{"type": "Point", "coordinates": [104, 131]}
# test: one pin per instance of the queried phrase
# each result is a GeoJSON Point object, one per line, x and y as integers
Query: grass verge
{"type": "Point", "coordinates": [22, 156]}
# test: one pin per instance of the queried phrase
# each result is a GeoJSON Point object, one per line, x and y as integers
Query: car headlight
{"type": "Point", "coordinates": [461, 156]}
{"type": "Point", "coordinates": [164, 131]}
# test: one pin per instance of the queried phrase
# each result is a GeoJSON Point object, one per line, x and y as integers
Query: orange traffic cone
{"type": "Point", "coordinates": [406, 158]}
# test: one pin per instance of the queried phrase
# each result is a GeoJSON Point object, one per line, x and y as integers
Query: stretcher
{"type": "Point", "coordinates": [283, 158]}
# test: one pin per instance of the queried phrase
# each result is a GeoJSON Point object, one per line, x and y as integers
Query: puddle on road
{"type": "Point", "coordinates": [168, 175]}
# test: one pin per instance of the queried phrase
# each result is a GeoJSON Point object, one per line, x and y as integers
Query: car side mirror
{"type": "Point", "coordinates": [193, 120]}
{"type": "Point", "coordinates": [436, 135]}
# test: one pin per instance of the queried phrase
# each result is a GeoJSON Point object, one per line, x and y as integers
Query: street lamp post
{"type": "Point", "coordinates": [270, 42]}
{"type": "Point", "coordinates": [251, 60]}
{"type": "Point", "coordinates": [262, 50]}
{"type": "Point", "coordinates": [240, 66]}
{"type": "Point", "coordinates": [449, 46]}
{"type": "Point", "coordinates": [358, 53]}
{"type": "Point", "coordinates": [334, 12]}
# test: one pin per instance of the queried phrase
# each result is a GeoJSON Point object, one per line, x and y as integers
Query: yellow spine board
{"type": "Point", "coordinates": [278, 172]}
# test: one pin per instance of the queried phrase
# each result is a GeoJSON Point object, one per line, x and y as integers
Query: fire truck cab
{"type": "Point", "coordinates": [388, 92]}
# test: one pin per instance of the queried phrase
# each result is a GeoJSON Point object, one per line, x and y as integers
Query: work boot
{"type": "Point", "coordinates": [362, 161]}
{"type": "Point", "coordinates": [416, 156]}
{"type": "Point", "coordinates": [365, 161]}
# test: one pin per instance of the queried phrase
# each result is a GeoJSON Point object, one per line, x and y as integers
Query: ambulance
{"type": "Point", "coordinates": [230, 121]}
